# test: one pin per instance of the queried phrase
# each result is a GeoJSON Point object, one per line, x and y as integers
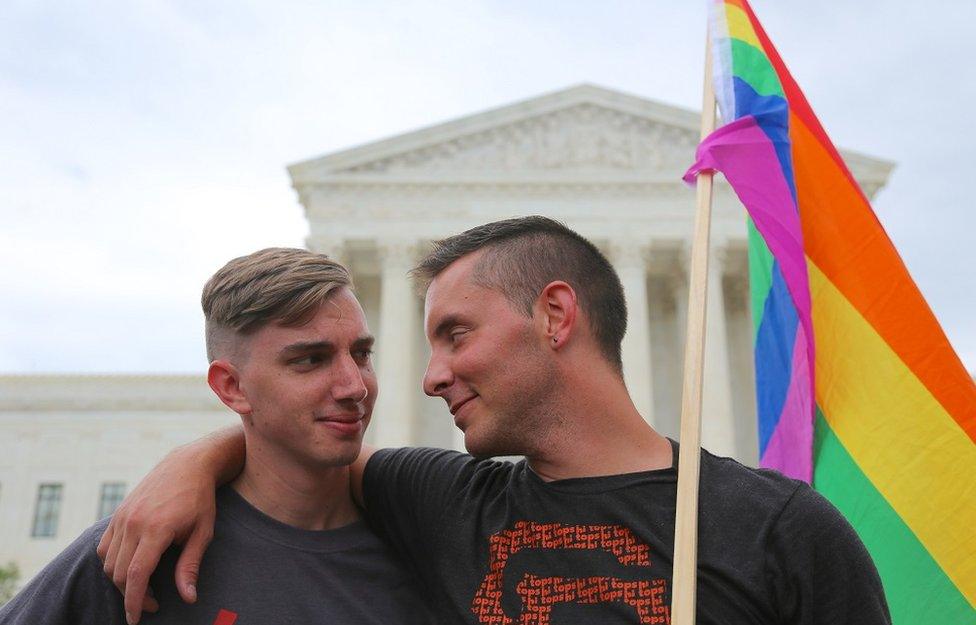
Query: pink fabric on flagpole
{"type": "Point", "coordinates": [747, 158]}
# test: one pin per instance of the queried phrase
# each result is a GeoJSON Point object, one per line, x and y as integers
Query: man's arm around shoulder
{"type": "Point", "coordinates": [174, 503]}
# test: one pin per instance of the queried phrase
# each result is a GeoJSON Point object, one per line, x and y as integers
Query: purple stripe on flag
{"type": "Point", "coordinates": [744, 153]}
{"type": "Point", "coordinates": [794, 432]}
{"type": "Point", "coordinates": [747, 157]}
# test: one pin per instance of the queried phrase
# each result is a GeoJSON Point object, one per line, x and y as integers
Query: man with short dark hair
{"type": "Point", "coordinates": [582, 530]}
{"type": "Point", "coordinates": [289, 351]}
{"type": "Point", "coordinates": [523, 255]}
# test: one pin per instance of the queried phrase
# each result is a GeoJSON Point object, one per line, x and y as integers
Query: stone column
{"type": "Point", "coordinates": [395, 410]}
{"type": "Point", "coordinates": [629, 259]}
{"type": "Point", "coordinates": [718, 425]}
{"type": "Point", "coordinates": [678, 282]}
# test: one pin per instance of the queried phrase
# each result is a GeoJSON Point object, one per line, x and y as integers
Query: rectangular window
{"type": "Point", "coordinates": [112, 495]}
{"type": "Point", "coordinates": [47, 511]}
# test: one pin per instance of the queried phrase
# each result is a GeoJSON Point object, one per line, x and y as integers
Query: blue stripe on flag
{"type": "Point", "coordinates": [773, 116]}
{"type": "Point", "coordinates": [774, 356]}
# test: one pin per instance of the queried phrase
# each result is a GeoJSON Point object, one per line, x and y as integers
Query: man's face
{"type": "Point", "coordinates": [486, 362]}
{"type": "Point", "coordinates": [305, 386]}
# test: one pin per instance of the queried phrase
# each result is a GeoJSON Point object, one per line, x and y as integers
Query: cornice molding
{"type": "Point", "coordinates": [106, 392]}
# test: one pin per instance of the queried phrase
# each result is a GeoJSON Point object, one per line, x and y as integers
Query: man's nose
{"type": "Point", "coordinates": [437, 377]}
{"type": "Point", "coordinates": [349, 382]}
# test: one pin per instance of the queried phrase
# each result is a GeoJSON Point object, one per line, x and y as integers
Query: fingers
{"type": "Point", "coordinates": [111, 547]}
{"type": "Point", "coordinates": [124, 546]}
{"type": "Point", "coordinates": [188, 566]}
{"type": "Point", "coordinates": [105, 542]}
{"type": "Point", "coordinates": [149, 604]}
{"type": "Point", "coordinates": [144, 561]}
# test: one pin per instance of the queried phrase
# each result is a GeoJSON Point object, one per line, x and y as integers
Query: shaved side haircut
{"type": "Point", "coordinates": [523, 255]}
{"type": "Point", "coordinates": [280, 284]}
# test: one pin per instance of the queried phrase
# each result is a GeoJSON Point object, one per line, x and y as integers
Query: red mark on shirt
{"type": "Point", "coordinates": [225, 617]}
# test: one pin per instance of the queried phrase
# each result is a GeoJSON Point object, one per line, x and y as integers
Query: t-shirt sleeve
{"type": "Point", "coordinates": [71, 590]}
{"type": "Point", "coordinates": [819, 569]}
{"type": "Point", "coordinates": [406, 492]}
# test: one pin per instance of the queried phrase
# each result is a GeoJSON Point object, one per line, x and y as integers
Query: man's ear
{"type": "Point", "coordinates": [225, 380]}
{"type": "Point", "coordinates": [557, 310]}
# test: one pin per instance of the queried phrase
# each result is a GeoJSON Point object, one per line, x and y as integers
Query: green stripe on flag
{"type": "Point", "coordinates": [917, 589]}
{"type": "Point", "coordinates": [760, 275]}
{"type": "Point", "coordinates": [752, 66]}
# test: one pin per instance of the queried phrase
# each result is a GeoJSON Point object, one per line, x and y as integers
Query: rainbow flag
{"type": "Point", "coordinates": [858, 389]}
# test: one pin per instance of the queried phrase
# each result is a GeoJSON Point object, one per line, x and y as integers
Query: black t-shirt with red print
{"type": "Point", "coordinates": [495, 544]}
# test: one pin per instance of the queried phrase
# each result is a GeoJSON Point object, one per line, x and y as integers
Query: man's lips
{"type": "Point", "coordinates": [349, 418]}
{"type": "Point", "coordinates": [458, 404]}
{"type": "Point", "coordinates": [343, 424]}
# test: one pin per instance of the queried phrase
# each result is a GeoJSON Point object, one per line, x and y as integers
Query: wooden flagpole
{"type": "Point", "coordinates": [684, 574]}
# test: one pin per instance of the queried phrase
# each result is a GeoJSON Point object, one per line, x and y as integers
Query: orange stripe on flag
{"type": "Point", "coordinates": [843, 238]}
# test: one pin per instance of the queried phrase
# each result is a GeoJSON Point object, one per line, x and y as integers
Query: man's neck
{"type": "Point", "coordinates": [600, 433]}
{"type": "Point", "coordinates": [296, 496]}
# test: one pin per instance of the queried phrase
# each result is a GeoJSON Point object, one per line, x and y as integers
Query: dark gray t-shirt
{"type": "Point", "coordinates": [257, 570]}
{"type": "Point", "coordinates": [497, 545]}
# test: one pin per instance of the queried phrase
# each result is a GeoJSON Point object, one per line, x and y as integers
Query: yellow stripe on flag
{"type": "Point", "coordinates": [740, 27]}
{"type": "Point", "coordinates": [903, 440]}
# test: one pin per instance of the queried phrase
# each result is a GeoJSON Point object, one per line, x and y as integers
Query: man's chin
{"type": "Point", "coordinates": [482, 448]}
{"type": "Point", "coordinates": [341, 458]}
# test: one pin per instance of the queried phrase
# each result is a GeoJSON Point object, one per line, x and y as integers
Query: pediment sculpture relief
{"type": "Point", "coordinates": [584, 137]}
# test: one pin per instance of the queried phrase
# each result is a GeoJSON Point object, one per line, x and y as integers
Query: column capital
{"type": "Point", "coordinates": [397, 251]}
{"type": "Point", "coordinates": [628, 252]}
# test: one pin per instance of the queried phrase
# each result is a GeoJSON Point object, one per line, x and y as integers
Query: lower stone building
{"type": "Point", "coordinates": [72, 446]}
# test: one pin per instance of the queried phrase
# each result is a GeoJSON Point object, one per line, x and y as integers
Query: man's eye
{"type": "Point", "coordinates": [457, 335]}
{"type": "Point", "coordinates": [309, 360]}
{"type": "Point", "coordinates": [363, 355]}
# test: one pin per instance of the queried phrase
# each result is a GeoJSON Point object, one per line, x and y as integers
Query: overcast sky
{"type": "Point", "coordinates": [143, 143]}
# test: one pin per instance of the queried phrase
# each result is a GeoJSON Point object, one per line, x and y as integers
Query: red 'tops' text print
{"type": "Point", "coordinates": [505, 597]}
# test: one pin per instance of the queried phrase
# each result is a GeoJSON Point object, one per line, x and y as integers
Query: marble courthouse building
{"type": "Point", "coordinates": [606, 163]}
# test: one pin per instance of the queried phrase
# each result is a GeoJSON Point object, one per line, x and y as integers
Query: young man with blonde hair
{"type": "Point", "coordinates": [289, 351]}
{"type": "Point", "coordinates": [525, 319]}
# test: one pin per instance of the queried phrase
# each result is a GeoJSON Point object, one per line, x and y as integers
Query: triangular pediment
{"type": "Point", "coordinates": [581, 133]}
{"type": "Point", "coordinates": [583, 129]}
{"type": "Point", "coordinates": [581, 137]}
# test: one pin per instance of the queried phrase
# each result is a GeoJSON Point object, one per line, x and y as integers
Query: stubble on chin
{"type": "Point", "coordinates": [526, 429]}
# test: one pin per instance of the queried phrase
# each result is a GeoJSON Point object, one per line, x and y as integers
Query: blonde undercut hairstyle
{"type": "Point", "coordinates": [276, 284]}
